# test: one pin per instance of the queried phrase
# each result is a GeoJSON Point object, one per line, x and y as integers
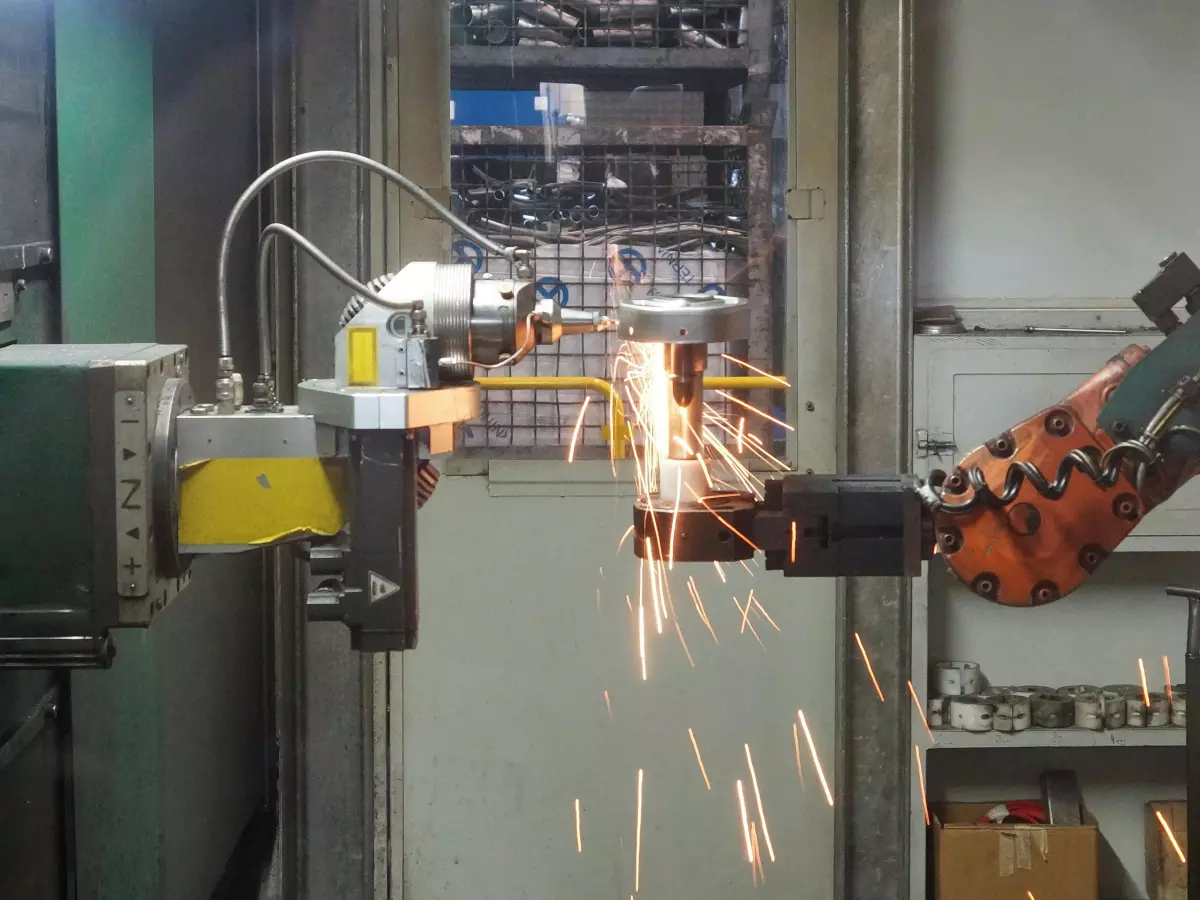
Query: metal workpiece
{"type": "Point", "coordinates": [250, 434]}
{"type": "Point", "coordinates": [387, 409]}
{"type": "Point", "coordinates": [831, 525]}
{"type": "Point", "coordinates": [684, 319]}
{"type": "Point", "coordinates": [691, 532]}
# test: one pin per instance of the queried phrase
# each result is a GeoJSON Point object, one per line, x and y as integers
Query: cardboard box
{"type": "Point", "coordinates": [1002, 862]}
{"type": "Point", "coordinates": [1166, 876]}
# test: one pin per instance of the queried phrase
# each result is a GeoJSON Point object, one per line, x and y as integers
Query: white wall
{"type": "Point", "coordinates": [1056, 145]}
{"type": "Point", "coordinates": [504, 721]}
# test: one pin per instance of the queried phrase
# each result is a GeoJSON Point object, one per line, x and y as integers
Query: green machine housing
{"type": "Point", "coordinates": [84, 431]}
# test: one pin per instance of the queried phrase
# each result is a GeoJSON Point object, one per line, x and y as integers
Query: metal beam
{"type": "Point", "coordinates": [877, 207]}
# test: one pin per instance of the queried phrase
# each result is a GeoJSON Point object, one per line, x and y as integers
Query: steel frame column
{"type": "Point", "coordinates": [875, 405]}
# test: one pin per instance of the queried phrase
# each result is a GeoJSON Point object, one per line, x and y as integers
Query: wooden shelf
{"type": "Point", "coordinates": [1167, 736]}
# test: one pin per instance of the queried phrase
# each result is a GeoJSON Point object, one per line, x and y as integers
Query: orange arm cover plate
{"type": "Point", "coordinates": [1035, 550]}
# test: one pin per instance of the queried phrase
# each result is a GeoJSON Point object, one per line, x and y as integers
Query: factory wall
{"type": "Point", "coordinates": [1054, 146]}
{"type": "Point", "coordinates": [505, 721]}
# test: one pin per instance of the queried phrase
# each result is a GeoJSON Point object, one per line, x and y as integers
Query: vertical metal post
{"type": "Point", "coordinates": [1193, 748]}
{"type": "Point", "coordinates": [1192, 736]}
{"type": "Point", "coordinates": [877, 102]}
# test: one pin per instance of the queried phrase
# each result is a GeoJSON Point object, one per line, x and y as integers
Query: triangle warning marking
{"type": "Point", "coordinates": [379, 587]}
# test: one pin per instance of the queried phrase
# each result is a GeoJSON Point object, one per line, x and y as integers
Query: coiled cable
{"type": "Point", "coordinates": [1103, 469]}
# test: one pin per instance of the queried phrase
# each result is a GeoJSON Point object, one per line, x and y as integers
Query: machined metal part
{"type": "Point", "coordinates": [1136, 714]}
{"type": "Point", "coordinates": [1159, 711]}
{"type": "Point", "coordinates": [684, 319]}
{"type": "Point", "coordinates": [388, 409]}
{"type": "Point", "coordinates": [250, 434]}
{"type": "Point", "coordinates": [718, 531]}
{"type": "Point", "coordinates": [1013, 712]}
{"type": "Point", "coordinates": [685, 365]}
{"type": "Point", "coordinates": [955, 678]}
{"type": "Point", "coordinates": [1089, 710]}
{"type": "Point", "coordinates": [971, 713]}
{"type": "Point", "coordinates": [935, 711]}
{"type": "Point", "coordinates": [1053, 710]}
{"type": "Point", "coordinates": [1114, 709]}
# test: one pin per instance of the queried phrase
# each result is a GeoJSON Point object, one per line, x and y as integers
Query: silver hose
{"type": "Point", "coordinates": [225, 351]}
{"type": "Point", "coordinates": [265, 241]}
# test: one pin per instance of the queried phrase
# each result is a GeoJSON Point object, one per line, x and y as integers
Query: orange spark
{"type": "Point", "coordinates": [1170, 836]}
{"type": "Point", "coordinates": [796, 744]}
{"type": "Point", "coordinates": [675, 516]}
{"type": "Point", "coordinates": [653, 587]}
{"type": "Point", "coordinates": [613, 437]}
{"type": "Point", "coordinates": [642, 634]}
{"type": "Point", "coordinates": [757, 870]}
{"type": "Point", "coordinates": [578, 427]}
{"type": "Point", "coordinates": [629, 603]}
{"type": "Point", "coordinates": [1167, 676]}
{"type": "Point", "coordinates": [742, 563]}
{"type": "Point", "coordinates": [720, 571]}
{"type": "Point", "coordinates": [921, 713]}
{"type": "Point", "coordinates": [1145, 689]}
{"type": "Point", "coordinates": [637, 859]}
{"type": "Point", "coordinates": [1029, 894]}
{"type": "Point", "coordinates": [683, 444]}
{"type": "Point", "coordinates": [704, 468]}
{"type": "Point", "coordinates": [621, 543]}
{"type": "Point", "coordinates": [755, 409]}
{"type": "Point", "coordinates": [758, 801]}
{"type": "Point", "coordinates": [696, 747]}
{"type": "Point", "coordinates": [742, 362]}
{"type": "Point", "coordinates": [745, 621]}
{"type": "Point", "coordinates": [741, 434]}
{"type": "Point", "coordinates": [921, 781]}
{"type": "Point", "coordinates": [741, 795]}
{"type": "Point", "coordinates": [578, 830]}
{"type": "Point", "coordinates": [718, 517]}
{"type": "Point", "coordinates": [695, 592]}
{"type": "Point", "coordinates": [793, 541]}
{"type": "Point", "coordinates": [870, 671]}
{"type": "Point", "coordinates": [812, 749]}
{"type": "Point", "coordinates": [686, 651]}
{"type": "Point", "coordinates": [763, 610]}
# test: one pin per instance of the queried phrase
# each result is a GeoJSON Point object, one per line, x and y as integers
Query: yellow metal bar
{"type": "Point", "coordinates": [619, 432]}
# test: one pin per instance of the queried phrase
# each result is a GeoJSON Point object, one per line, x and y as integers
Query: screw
{"type": "Point", "coordinates": [1168, 259]}
{"type": "Point", "coordinates": [46, 255]}
{"type": "Point", "coordinates": [131, 586]}
{"type": "Point", "coordinates": [129, 401]}
{"type": "Point", "coordinates": [19, 285]}
{"type": "Point", "coordinates": [810, 406]}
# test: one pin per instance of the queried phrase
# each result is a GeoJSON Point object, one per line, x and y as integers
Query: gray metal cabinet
{"type": "Point", "coordinates": [967, 389]}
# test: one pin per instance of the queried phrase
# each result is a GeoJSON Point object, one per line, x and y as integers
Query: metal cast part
{"type": "Point", "coordinates": [248, 434]}
{"type": "Point", "coordinates": [684, 319]}
{"type": "Point", "coordinates": [685, 364]}
{"type": "Point", "coordinates": [695, 534]}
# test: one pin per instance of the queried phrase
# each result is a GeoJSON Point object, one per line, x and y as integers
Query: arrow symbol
{"type": "Point", "coordinates": [127, 454]}
{"type": "Point", "coordinates": [379, 587]}
{"type": "Point", "coordinates": [135, 533]}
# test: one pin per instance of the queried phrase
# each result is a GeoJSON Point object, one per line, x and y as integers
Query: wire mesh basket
{"type": "Point", "coordinates": [600, 220]}
{"type": "Point", "coordinates": [715, 24]}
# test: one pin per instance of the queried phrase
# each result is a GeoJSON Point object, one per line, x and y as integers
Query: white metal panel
{"type": "Point", "coordinates": [979, 385]}
{"type": "Point", "coordinates": [505, 721]}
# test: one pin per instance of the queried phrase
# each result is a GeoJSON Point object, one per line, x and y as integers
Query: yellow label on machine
{"type": "Point", "coordinates": [362, 356]}
{"type": "Point", "coordinates": [231, 504]}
